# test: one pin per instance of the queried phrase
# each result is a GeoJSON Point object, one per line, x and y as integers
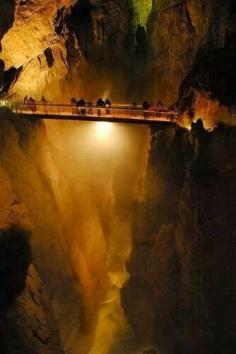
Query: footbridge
{"type": "Point", "coordinates": [116, 113]}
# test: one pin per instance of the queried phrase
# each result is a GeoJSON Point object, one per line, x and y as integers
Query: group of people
{"type": "Point", "coordinates": [82, 107]}
{"type": "Point", "coordinates": [30, 99]}
{"type": "Point", "coordinates": [33, 103]}
{"type": "Point", "coordinates": [158, 108]}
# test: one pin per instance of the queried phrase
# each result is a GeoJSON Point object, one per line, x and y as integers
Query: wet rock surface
{"type": "Point", "coordinates": [178, 30]}
{"type": "Point", "coordinates": [95, 44]}
{"type": "Point", "coordinates": [27, 326]}
{"type": "Point", "coordinates": [26, 321]}
{"type": "Point", "coordinates": [183, 261]}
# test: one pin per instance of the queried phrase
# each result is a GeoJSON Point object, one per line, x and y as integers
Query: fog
{"type": "Point", "coordinates": [96, 171]}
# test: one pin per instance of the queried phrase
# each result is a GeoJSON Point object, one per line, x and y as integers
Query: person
{"type": "Point", "coordinates": [99, 112]}
{"type": "Point", "coordinates": [145, 105]}
{"type": "Point", "coordinates": [80, 104]}
{"type": "Point", "coordinates": [100, 103]}
{"type": "Point", "coordinates": [134, 108]}
{"type": "Point", "coordinates": [73, 104]}
{"type": "Point", "coordinates": [43, 99]}
{"type": "Point", "coordinates": [108, 105]}
{"type": "Point", "coordinates": [159, 107]}
{"type": "Point", "coordinates": [26, 100]}
{"type": "Point", "coordinates": [33, 104]}
{"type": "Point", "coordinates": [73, 101]}
{"type": "Point", "coordinates": [145, 108]}
{"type": "Point", "coordinates": [90, 108]}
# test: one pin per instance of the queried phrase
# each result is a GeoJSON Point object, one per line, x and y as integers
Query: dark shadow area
{"type": "Point", "coordinates": [80, 22]}
{"type": "Point", "coordinates": [15, 257]}
{"type": "Point", "coordinates": [7, 8]}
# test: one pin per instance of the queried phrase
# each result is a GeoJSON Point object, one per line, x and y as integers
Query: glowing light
{"type": "Point", "coordinates": [142, 10]}
{"type": "Point", "coordinates": [103, 130]}
{"type": "Point", "coordinates": [4, 103]}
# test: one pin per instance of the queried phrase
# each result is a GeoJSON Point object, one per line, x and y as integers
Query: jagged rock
{"type": "Point", "coordinates": [95, 44]}
{"type": "Point", "coordinates": [28, 324]}
{"type": "Point", "coordinates": [182, 260]}
{"type": "Point", "coordinates": [7, 16]}
{"type": "Point", "coordinates": [177, 31]}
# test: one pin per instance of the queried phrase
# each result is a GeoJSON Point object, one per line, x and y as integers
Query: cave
{"type": "Point", "coordinates": [117, 177]}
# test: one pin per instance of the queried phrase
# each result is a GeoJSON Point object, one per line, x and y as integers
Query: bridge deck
{"type": "Point", "coordinates": [117, 114]}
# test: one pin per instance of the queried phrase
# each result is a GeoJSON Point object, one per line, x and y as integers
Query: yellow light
{"type": "Point", "coordinates": [4, 103]}
{"type": "Point", "coordinates": [103, 130]}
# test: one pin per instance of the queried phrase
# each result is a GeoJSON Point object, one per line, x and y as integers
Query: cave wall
{"type": "Point", "coordinates": [181, 292]}
{"type": "Point", "coordinates": [80, 224]}
{"type": "Point", "coordinates": [25, 316]}
{"type": "Point", "coordinates": [180, 278]}
{"type": "Point", "coordinates": [27, 46]}
{"type": "Point", "coordinates": [89, 48]}
{"type": "Point", "coordinates": [178, 30]}
{"type": "Point", "coordinates": [209, 86]}
{"type": "Point", "coordinates": [48, 251]}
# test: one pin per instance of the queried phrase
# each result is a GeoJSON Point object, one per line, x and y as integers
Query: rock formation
{"type": "Point", "coordinates": [110, 249]}
{"type": "Point", "coordinates": [88, 47]}
{"type": "Point", "coordinates": [79, 244]}
{"type": "Point", "coordinates": [180, 294]}
{"type": "Point", "coordinates": [24, 320]}
{"type": "Point", "coordinates": [178, 31]}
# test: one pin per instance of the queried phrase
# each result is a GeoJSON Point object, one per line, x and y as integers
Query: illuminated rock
{"type": "Point", "coordinates": [24, 45]}
{"type": "Point", "coordinates": [180, 267]}
{"type": "Point", "coordinates": [177, 32]}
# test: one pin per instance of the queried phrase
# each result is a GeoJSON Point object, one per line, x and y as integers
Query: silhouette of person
{"type": "Point", "coordinates": [43, 99]}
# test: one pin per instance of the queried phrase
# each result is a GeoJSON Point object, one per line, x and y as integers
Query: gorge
{"type": "Point", "coordinates": [118, 238]}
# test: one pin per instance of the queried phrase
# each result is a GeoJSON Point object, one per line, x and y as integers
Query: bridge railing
{"type": "Point", "coordinates": [45, 109]}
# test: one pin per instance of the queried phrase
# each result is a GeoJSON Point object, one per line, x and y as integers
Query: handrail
{"type": "Point", "coordinates": [48, 108]}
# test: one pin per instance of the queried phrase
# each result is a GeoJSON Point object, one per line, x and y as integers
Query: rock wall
{"type": "Point", "coordinates": [20, 157]}
{"type": "Point", "coordinates": [126, 49]}
{"type": "Point", "coordinates": [80, 216]}
{"type": "Point", "coordinates": [25, 320]}
{"type": "Point", "coordinates": [180, 294]}
{"type": "Point", "coordinates": [99, 60]}
{"type": "Point", "coordinates": [178, 30]}
{"type": "Point", "coordinates": [27, 327]}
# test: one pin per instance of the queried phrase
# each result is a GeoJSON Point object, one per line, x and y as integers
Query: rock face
{"type": "Point", "coordinates": [17, 145]}
{"type": "Point", "coordinates": [209, 87]}
{"type": "Point", "coordinates": [24, 325]}
{"type": "Point", "coordinates": [180, 294]}
{"type": "Point", "coordinates": [32, 46]}
{"type": "Point", "coordinates": [178, 30]}
{"type": "Point", "coordinates": [27, 326]}
{"type": "Point", "coordinates": [100, 56]}
{"type": "Point", "coordinates": [7, 16]}
{"type": "Point", "coordinates": [79, 244]}
{"type": "Point", "coordinates": [89, 48]}
{"type": "Point", "coordinates": [14, 233]}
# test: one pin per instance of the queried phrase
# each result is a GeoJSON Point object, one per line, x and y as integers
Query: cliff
{"type": "Point", "coordinates": [125, 49]}
{"type": "Point", "coordinates": [24, 315]}
{"type": "Point", "coordinates": [80, 217]}
{"type": "Point", "coordinates": [180, 294]}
